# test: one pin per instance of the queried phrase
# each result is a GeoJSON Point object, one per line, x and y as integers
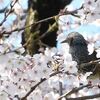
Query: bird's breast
{"type": "Point", "coordinates": [79, 53]}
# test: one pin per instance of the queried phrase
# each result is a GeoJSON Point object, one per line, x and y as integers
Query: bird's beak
{"type": "Point", "coordinates": [65, 41]}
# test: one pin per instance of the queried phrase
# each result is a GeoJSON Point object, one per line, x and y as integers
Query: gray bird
{"type": "Point", "coordinates": [79, 51]}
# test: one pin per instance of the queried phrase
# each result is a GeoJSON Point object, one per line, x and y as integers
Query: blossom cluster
{"type": "Point", "coordinates": [19, 73]}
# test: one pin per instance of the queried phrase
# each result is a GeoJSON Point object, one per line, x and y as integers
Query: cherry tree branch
{"type": "Point", "coordinates": [85, 97]}
{"type": "Point", "coordinates": [63, 12]}
{"type": "Point", "coordinates": [96, 62]}
{"type": "Point", "coordinates": [7, 13]}
{"type": "Point", "coordinates": [74, 90]}
{"type": "Point", "coordinates": [24, 27]}
{"type": "Point", "coordinates": [79, 98]}
{"type": "Point", "coordinates": [41, 81]}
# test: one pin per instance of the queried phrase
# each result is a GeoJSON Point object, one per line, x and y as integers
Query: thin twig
{"type": "Point", "coordinates": [60, 88]}
{"type": "Point", "coordinates": [85, 97]}
{"type": "Point", "coordinates": [34, 23]}
{"type": "Point", "coordinates": [43, 20]}
{"type": "Point", "coordinates": [7, 13]}
{"type": "Point", "coordinates": [16, 48]}
{"type": "Point", "coordinates": [73, 91]}
{"type": "Point", "coordinates": [88, 63]}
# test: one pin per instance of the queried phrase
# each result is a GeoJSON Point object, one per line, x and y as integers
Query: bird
{"type": "Point", "coordinates": [78, 48]}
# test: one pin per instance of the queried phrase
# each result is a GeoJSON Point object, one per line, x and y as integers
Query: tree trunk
{"type": "Point", "coordinates": [39, 10]}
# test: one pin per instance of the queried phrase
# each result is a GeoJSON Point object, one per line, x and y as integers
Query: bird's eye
{"type": "Point", "coordinates": [71, 41]}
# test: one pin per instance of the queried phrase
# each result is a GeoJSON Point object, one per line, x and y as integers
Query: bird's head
{"type": "Point", "coordinates": [75, 38]}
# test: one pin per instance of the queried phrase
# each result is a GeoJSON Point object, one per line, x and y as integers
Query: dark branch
{"type": "Point", "coordinates": [43, 20]}
{"type": "Point", "coordinates": [85, 97]}
{"type": "Point", "coordinates": [41, 81]}
{"type": "Point", "coordinates": [7, 13]}
{"type": "Point", "coordinates": [3, 10]}
{"type": "Point", "coordinates": [74, 90]}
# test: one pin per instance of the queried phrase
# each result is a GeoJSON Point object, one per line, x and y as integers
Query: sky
{"type": "Point", "coordinates": [12, 17]}
{"type": "Point", "coordinates": [90, 29]}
